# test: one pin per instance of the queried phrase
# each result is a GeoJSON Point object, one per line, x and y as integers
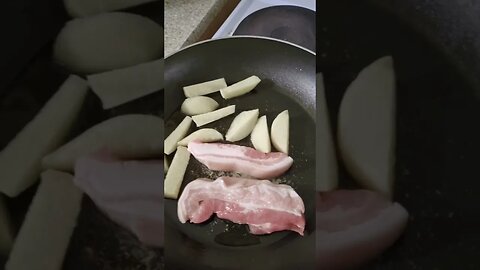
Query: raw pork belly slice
{"type": "Point", "coordinates": [241, 159]}
{"type": "Point", "coordinates": [264, 206]}
{"type": "Point", "coordinates": [129, 192]}
{"type": "Point", "coordinates": [354, 226]}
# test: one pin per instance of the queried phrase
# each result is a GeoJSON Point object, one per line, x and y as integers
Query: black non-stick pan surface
{"type": "Point", "coordinates": [288, 82]}
{"type": "Point", "coordinates": [437, 121]}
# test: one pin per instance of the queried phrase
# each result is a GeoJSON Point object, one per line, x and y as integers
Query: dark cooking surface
{"type": "Point", "coordinates": [437, 177]}
{"type": "Point", "coordinates": [289, 23]}
{"type": "Point", "coordinates": [99, 243]}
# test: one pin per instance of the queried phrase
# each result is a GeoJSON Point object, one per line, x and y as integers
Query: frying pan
{"type": "Point", "coordinates": [288, 82]}
{"type": "Point", "coordinates": [436, 50]}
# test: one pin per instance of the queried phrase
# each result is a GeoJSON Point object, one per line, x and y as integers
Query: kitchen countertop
{"type": "Point", "coordinates": [187, 20]}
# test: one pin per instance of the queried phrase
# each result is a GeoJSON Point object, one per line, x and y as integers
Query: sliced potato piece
{"type": "Point", "coordinates": [6, 229]}
{"type": "Point", "coordinates": [108, 41]}
{"type": "Point", "coordinates": [165, 164]}
{"type": "Point", "coordinates": [280, 132]}
{"type": "Point", "coordinates": [120, 86]}
{"type": "Point", "coordinates": [242, 125]}
{"type": "Point", "coordinates": [176, 172]}
{"type": "Point", "coordinates": [206, 118]}
{"type": "Point", "coordinates": [260, 136]}
{"type": "Point", "coordinates": [202, 135]}
{"type": "Point", "coordinates": [127, 136]}
{"type": "Point", "coordinates": [176, 135]}
{"type": "Point", "coordinates": [20, 160]}
{"type": "Point", "coordinates": [366, 126]}
{"type": "Point", "coordinates": [205, 88]}
{"type": "Point", "coordinates": [240, 88]}
{"type": "Point", "coordinates": [198, 105]}
{"type": "Point", "coordinates": [48, 225]}
{"type": "Point", "coordinates": [326, 161]}
{"type": "Point", "coordinates": [82, 8]}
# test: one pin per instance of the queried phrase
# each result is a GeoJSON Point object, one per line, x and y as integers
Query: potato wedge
{"type": "Point", "coordinates": [108, 41]}
{"type": "Point", "coordinates": [198, 105]}
{"type": "Point", "coordinates": [202, 135]}
{"type": "Point", "coordinates": [179, 133]}
{"type": "Point", "coordinates": [366, 126]}
{"type": "Point", "coordinates": [280, 132]}
{"type": "Point", "coordinates": [165, 164]}
{"type": "Point", "coordinates": [176, 172]}
{"type": "Point", "coordinates": [326, 161]}
{"type": "Point", "coordinates": [242, 125]}
{"type": "Point", "coordinates": [205, 88]}
{"type": "Point", "coordinates": [260, 136]}
{"type": "Point", "coordinates": [20, 160]}
{"type": "Point", "coordinates": [48, 225]}
{"type": "Point", "coordinates": [120, 86]}
{"type": "Point", "coordinates": [127, 136]}
{"type": "Point", "coordinates": [206, 118]}
{"type": "Point", "coordinates": [240, 88]}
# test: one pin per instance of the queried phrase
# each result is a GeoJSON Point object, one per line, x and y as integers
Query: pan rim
{"type": "Point", "coordinates": [240, 37]}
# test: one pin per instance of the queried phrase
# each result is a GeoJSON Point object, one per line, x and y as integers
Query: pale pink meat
{"type": "Point", "coordinates": [354, 226]}
{"type": "Point", "coordinates": [264, 206]}
{"type": "Point", "coordinates": [129, 192]}
{"type": "Point", "coordinates": [241, 159]}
